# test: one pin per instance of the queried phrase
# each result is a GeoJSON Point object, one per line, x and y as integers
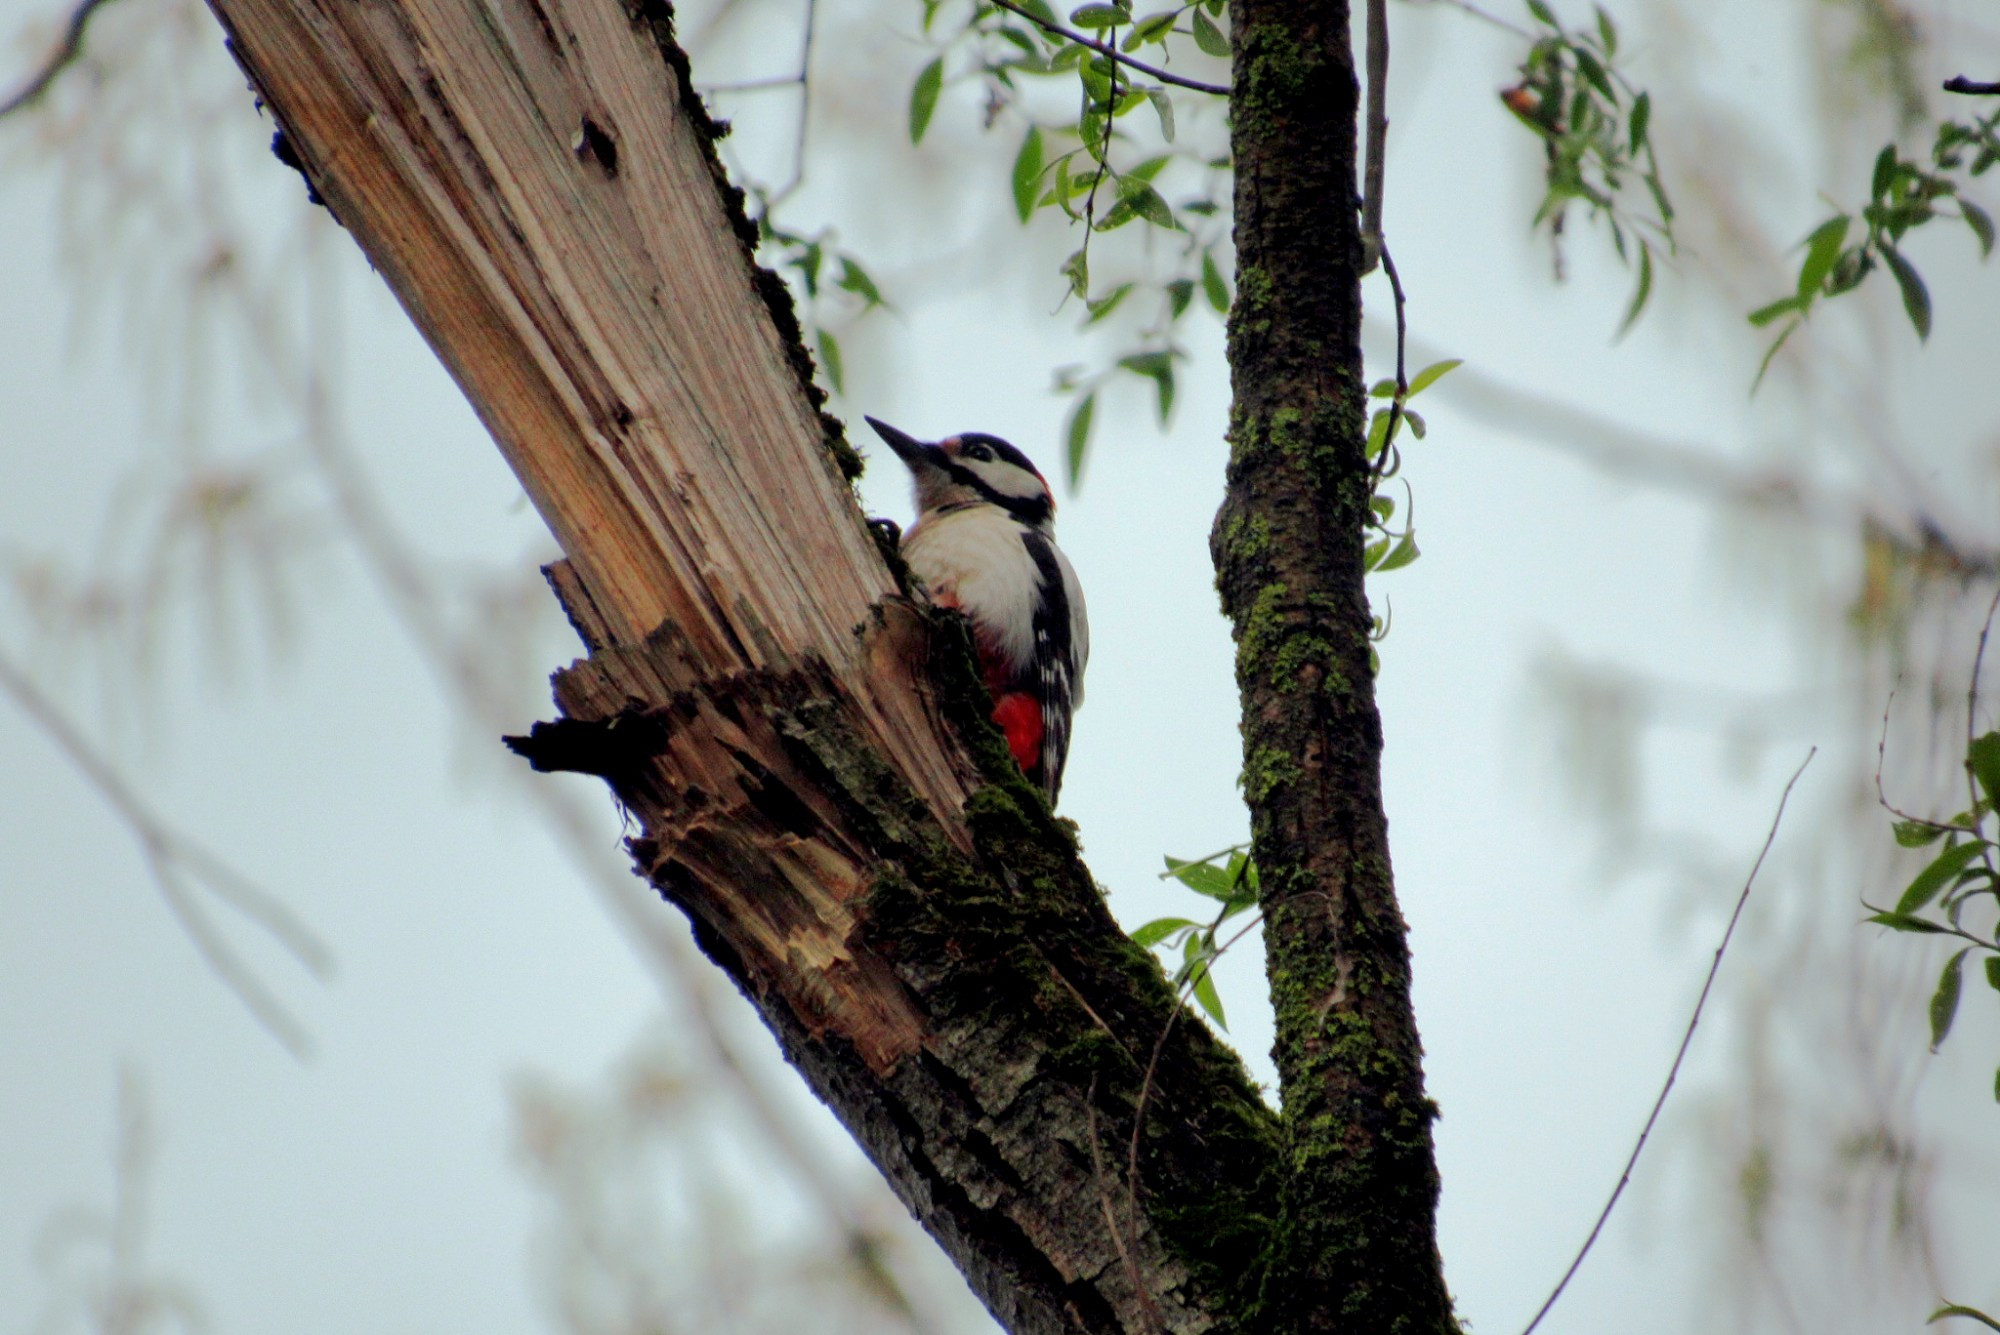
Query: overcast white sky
{"type": "Point", "coordinates": [373, 1187]}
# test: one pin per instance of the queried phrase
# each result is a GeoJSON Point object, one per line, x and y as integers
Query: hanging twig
{"type": "Point", "coordinates": [60, 59]}
{"type": "Point", "coordinates": [178, 865]}
{"type": "Point", "coordinates": [1113, 53]}
{"type": "Point", "coordinates": [1687, 1038]}
{"type": "Point", "coordinates": [1378, 133]}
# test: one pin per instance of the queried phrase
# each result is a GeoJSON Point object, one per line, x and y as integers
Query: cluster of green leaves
{"type": "Point", "coordinates": [1093, 168]}
{"type": "Point", "coordinates": [1391, 547]}
{"type": "Point", "coordinates": [1230, 879]}
{"type": "Point", "coordinates": [819, 269]}
{"type": "Point", "coordinates": [1965, 872]}
{"type": "Point", "coordinates": [1904, 194]}
{"type": "Point", "coordinates": [1594, 127]}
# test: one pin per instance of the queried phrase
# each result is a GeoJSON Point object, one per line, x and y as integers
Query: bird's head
{"type": "Point", "coordinates": [972, 469]}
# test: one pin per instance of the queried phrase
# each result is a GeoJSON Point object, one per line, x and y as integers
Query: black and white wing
{"type": "Point", "coordinates": [1062, 646]}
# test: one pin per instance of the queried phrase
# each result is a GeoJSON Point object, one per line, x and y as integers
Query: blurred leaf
{"type": "Point", "coordinates": [1164, 106]}
{"type": "Point", "coordinates": [1903, 922]}
{"type": "Point", "coordinates": [1076, 436]}
{"type": "Point", "coordinates": [1953, 1309]}
{"type": "Point", "coordinates": [1917, 833]}
{"type": "Point", "coordinates": [1885, 172]}
{"type": "Point", "coordinates": [1916, 297]}
{"type": "Point", "coordinates": [1938, 874]}
{"type": "Point", "coordinates": [1179, 293]}
{"type": "Point", "coordinates": [1544, 13]}
{"type": "Point", "coordinates": [1159, 368]}
{"type": "Point", "coordinates": [1822, 249]}
{"type": "Point", "coordinates": [1209, 37]}
{"type": "Point", "coordinates": [1593, 70]}
{"type": "Point", "coordinates": [1204, 878]}
{"type": "Point", "coordinates": [829, 359]}
{"type": "Point", "coordinates": [1642, 292]}
{"type": "Point", "coordinates": [1153, 28]}
{"type": "Point", "coordinates": [1993, 972]}
{"type": "Point", "coordinates": [1944, 1002]}
{"type": "Point", "coordinates": [1642, 116]}
{"type": "Point", "coordinates": [1984, 758]}
{"type": "Point", "coordinates": [1097, 16]}
{"type": "Point", "coordinates": [1607, 32]}
{"type": "Point", "coordinates": [1146, 202]}
{"type": "Point", "coordinates": [1981, 224]}
{"type": "Point", "coordinates": [855, 279]}
{"type": "Point", "coordinates": [1028, 172]}
{"type": "Point", "coordinates": [1763, 315]}
{"type": "Point", "coordinates": [1415, 421]}
{"type": "Point", "coordinates": [1107, 303]}
{"type": "Point", "coordinates": [1077, 269]}
{"type": "Point", "coordinates": [1212, 285]}
{"type": "Point", "coordinates": [923, 98]}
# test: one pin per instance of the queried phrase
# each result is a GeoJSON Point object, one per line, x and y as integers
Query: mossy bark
{"type": "Point", "coordinates": [1356, 1248]}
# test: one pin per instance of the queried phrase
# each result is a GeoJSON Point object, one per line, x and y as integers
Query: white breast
{"type": "Point", "coordinates": [974, 559]}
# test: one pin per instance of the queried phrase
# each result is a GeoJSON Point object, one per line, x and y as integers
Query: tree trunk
{"type": "Point", "coordinates": [805, 749]}
{"type": "Point", "coordinates": [1357, 1248]}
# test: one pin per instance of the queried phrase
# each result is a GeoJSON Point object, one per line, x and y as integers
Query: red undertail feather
{"type": "Point", "coordinates": [1020, 717]}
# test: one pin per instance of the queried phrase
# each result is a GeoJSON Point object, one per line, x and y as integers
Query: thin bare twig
{"type": "Point", "coordinates": [1466, 7]}
{"type": "Point", "coordinates": [1687, 1039]}
{"type": "Point", "coordinates": [178, 865]}
{"type": "Point", "coordinates": [1113, 53]}
{"type": "Point", "coordinates": [1378, 133]}
{"type": "Point", "coordinates": [1958, 83]}
{"type": "Point", "coordinates": [66, 53]}
{"type": "Point", "coordinates": [1381, 465]}
{"type": "Point", "coordinates": [1882, 797]}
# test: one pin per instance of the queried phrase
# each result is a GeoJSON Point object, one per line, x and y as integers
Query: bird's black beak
{"type": "Point", "coordinates": [907, 447]}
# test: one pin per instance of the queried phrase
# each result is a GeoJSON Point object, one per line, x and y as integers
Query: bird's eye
{"type": "Point", "coordinates": [979, 452]}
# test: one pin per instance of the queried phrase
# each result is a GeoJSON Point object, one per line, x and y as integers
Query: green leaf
{"type": "Point", "coordinates": [1212, 285]}
{"type": "Point", "coordinates": [1146, 202]}
{"type": "Point", "coordinates": [1938, 874]}
{"type": "Point", "coordinates": [1885, 172]}
{"type": "Point", "coordinates": [1917, 833]}
{"type": "Point", "coordinates": [1205, 993]}
{"type": "Point", "coordinates": [1640, 293]}
{"type": "Point", "coordinates": [1378, 432]}
{"type": "Point", "coordinates": [1642, 116]}
{"type": "Point", "coordinates": [1903, 922]}
{"type": "Point", "coordinates": [1028, 172]}
{"type": "Point", "coordinates": [855, 279]}
{"type": "Point", "coordinates": [1415, 420]}
{"type": "Point", "coordinates": [1204, 878]}
{"type": "Point", "coordinates": [1077, 269]}
{"type": "Point", "coordinates": [1822, 249]}
{"type": "Point", "coordinates": [1954, 1309]}
{"type": "Point", "coordinates": [1594, 71]}
{"type": "Point", "coordinates": [1431, 374]}
{"type": "Point", "coordinates": [1148, 935]}
{"type": "Point", "coordinates": [1404, 552]}
{"type": "Point", "coordinates": [829, 360]}
{"type": "Point", "coordinates": [1763, 315]}
{"type": "Point", "coordinates": [1109, 302]}
{"type": "Point", "coordinates": [1916, 297]}
{"type": "Point", "coordinates": [1153, 28]}
{"type": "Point", "coordinates": [923, 98]}
{"type": "Point", "coordinates": [1076, 436]}
{"type": "Point", "coordinates": [1159, 368]}
{"type": "Point", "coordinates": [1981, 224]}
{"type": "Point", "coordinates": [1163, 106]}
{"type": "Point", "coordinates": [1993, 972]}
{"type": "Point", "coordinates": [1944, 1002]}
{"type": "Point", "coordinates": [1607, 32]}
{"type": "Point", "coordinates": [1097, 16]}
{"type": "Point", "coordinates": [1179, 293]}
{"type": "Point", "coordinates": [1544, 13]}
{"type": "Point", "coordinates": [1983, 756]}
{"type": "Point", "coordinates": [1209, 37]}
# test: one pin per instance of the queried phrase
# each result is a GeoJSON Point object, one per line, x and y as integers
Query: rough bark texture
{"type": "Point", "coordinates": [805, 751]}
{"type": "Point", "coordinates": [1357, 1248]}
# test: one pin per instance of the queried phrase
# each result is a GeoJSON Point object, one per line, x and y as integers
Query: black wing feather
{"type": "Point", "coordinates": [1054, 667]}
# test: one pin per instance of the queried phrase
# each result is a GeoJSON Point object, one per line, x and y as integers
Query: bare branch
{"type": "Point", "coordinates": [66, 53]}
{"type": "Point", "coordinates": [1687, 1039]}
{"type": "Point", "coordinates": [1378, 133]}
{"type": "Point", "coordinates": [1958, 83]}
{"type": "Point", "coordinates": [179, 866]}
{"type": "Point", "coordinates": [1113, 53]}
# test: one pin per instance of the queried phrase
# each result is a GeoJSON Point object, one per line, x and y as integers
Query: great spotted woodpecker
{"type": "Point", "coordinates": [984, 544]}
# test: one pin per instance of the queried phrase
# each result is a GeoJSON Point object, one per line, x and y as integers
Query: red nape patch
{"type": "Point", "coordinates": [1020, 717]}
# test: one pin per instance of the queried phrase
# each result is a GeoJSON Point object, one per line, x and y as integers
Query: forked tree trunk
{"type": "Point", "coordinates": [804, 749]}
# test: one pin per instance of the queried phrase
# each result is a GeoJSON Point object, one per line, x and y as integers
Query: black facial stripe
{"type": "Point", "coordinates": [1003, 451]}
{"type": "Point", "coordinates": [1029, 510]}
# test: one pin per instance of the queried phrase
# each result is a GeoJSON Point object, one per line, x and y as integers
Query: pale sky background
{"type": "Point", "coordinates": [375, 1188]}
